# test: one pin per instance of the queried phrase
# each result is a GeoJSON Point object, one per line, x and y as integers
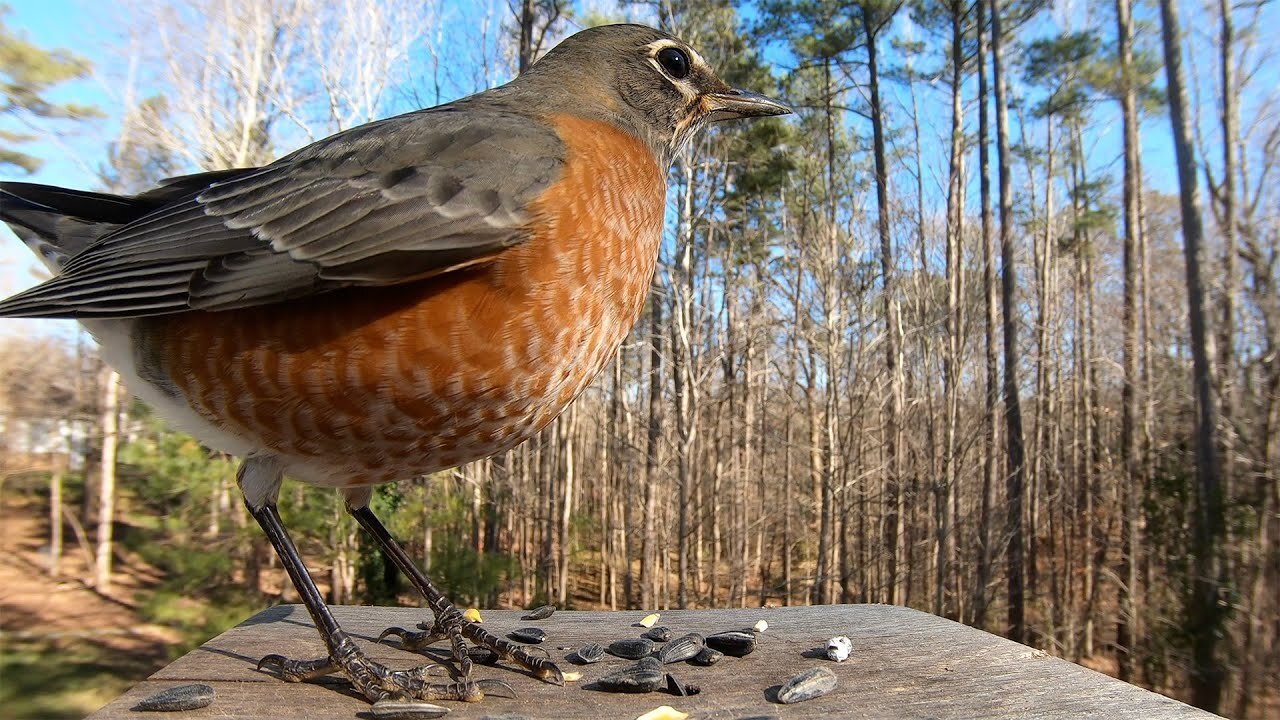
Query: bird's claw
{"type": "Point", "coordinates": [297, 670]}
{"type": "Point", "coordinates": [549, 673]}
{"type": "Point", "coordinates": [397, 631]}
{"type": "Point", "coordinates": [272, 663]}
{"type": "Point", "coordinates": [410, 640]}
{"type": "Point", "coordinates": [495, 688]}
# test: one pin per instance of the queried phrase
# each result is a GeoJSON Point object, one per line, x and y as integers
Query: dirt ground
{"type": "Point", "coordinates": [66, 649]}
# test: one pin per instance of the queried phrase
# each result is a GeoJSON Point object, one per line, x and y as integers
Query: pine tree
{"type": "Point", "coordinates": [27, 74]}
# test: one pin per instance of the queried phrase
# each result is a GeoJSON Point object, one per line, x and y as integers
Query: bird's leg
{"type": "Point", "coordinates": [373, 680]}
{"type": "Point", "coordinates": [449, 621]}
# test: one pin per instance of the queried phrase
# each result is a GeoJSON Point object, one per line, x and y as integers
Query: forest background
{"type": "Point", "coordinates": [990, 327]}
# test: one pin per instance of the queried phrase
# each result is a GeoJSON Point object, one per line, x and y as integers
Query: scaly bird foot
{"type": "Point", "coordinates": [455, 626]}
{"type": "Point", "coordinates": [406, 689]}
{"type": "Point", "coordinates": [488, 649]}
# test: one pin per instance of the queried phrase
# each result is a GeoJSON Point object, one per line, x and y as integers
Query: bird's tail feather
{"type": "Point", "coordinates": [56, 223]}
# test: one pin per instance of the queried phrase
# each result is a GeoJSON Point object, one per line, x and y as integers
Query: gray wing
{"type": "Point", "coordinates": [385, 203]}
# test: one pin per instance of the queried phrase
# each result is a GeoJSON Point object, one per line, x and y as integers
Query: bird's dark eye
{"type": "Point", "coordinates": [675, 62]}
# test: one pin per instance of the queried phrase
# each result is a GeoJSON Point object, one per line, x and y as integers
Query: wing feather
{"type": "Point", "coordinates": [385, 203]}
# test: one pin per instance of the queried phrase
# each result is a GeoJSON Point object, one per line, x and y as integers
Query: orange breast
{"type": "Point", "coordinates": [378, 384]}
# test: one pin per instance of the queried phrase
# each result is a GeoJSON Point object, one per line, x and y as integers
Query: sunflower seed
{"type": "Point", "coordinates": [734, 642]}
{"type": "Point", "coordinates": [542, 612]}
{"type": "Point", "coordinates": [180, 697]}
{"type": "Point", "coordinates": [812, 683]}
{"type": "Point", "coordinates": [839, 648]}
{"type": "Point", "coordinates": [649, 620]}
{"type": "Point", "coordinates": [528, 635]}
{"type": "Point", "coordinates": [675, 687]}
{"type": "Point", "coordinates": [481, 655]}
{"type": "Point", "coordinates": [682, 648]}
{"type": "Point", "coordinates": [665, 712]}
{"type": "Point", "coordinates": [708, 656]}
{"type": "Point", "coordinates": [658, 633]}
{"type": "Point", "coordinates": [406, 710]}
{"type": "Point", "coordinates": [631, 648]}
{"type": "Point", "coordinates": [645, 676]}
{"type": "Point", "coordinates": [589, 653]}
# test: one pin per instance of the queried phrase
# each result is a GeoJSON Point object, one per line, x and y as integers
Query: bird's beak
{"type": "Point", "coordinates": [736, 103]}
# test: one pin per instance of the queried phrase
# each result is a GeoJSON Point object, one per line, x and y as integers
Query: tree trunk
{"type": "Point", "coordinates": [1204, 617]}
{"type": "Point", "coordinates": [1044, 269]}
{"type": "Point", "coordinates": [818, 449]}
{"type": "Point", "coordinates": [649, 538]}
{"type": "Point", "coordinates": [55, 521]}
{"type": "Point", "coordinates": [989, 460]}
{"type": "Point", "coordinates": [1127, 630]}
{"type": "Point", "coordinates": [107, 487]}
{"type": "Point", "coordinates": [954, 272]}
{"type": "Point", "coordinates": [526, 18]}
{"type": "Point", "coordinates": [616, 524]}
{"type": "Point", "coordinates": [1230, 275]}
{"type": "Point", "coordinates": [789, 434]}
{"type": "Point", "coordinates": [871, 24]}
{"type": "Point", "coordinates": [682, 366]}
{"type": "Point", "coordinates": [568, 427]}
{"type": "Point", "coordinates": [1015, 477]}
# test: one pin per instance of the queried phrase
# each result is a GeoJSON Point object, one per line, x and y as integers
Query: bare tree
{"type": "Point", "coordinates": [874, 15]}
{"type": "Point", "coordinates": [107, 487]}
{"type": "Point", "coordinates": [1016, 473]}
{"type": "Point", "coordinates": [535, 19]}
{"type": "Point", "coordinates": [239, 81]}
{"type": "Point", "coordinates": [1204, 615]}
{"type": "Point", "coordinates": [990, 319]}
{"type": "Point", "coordinates": [1131, 482]}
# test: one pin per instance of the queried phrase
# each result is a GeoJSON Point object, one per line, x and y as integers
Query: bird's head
{"type": "Point", "coordinates": [643, 80]}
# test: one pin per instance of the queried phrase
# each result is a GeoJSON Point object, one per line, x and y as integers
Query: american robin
{"type": "Point", "coordinates": [397, 299]}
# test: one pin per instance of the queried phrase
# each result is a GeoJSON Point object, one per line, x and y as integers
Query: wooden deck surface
{"type": "Point", "coordinates": [905, 664]}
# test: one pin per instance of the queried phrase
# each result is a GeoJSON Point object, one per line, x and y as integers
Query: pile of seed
{"type": "Point", "coordinates": [659, 646]}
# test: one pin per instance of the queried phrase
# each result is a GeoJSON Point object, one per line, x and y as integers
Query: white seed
{"type": "Point", "coordinates": [839, 648]}
{"type": "Point", "coordinates": [649, 620]}
{"type": "Point", "coordinates": [760, 626]}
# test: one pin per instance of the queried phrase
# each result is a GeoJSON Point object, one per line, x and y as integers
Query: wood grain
{"type": "Point", "coordinates": [905, 664]}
